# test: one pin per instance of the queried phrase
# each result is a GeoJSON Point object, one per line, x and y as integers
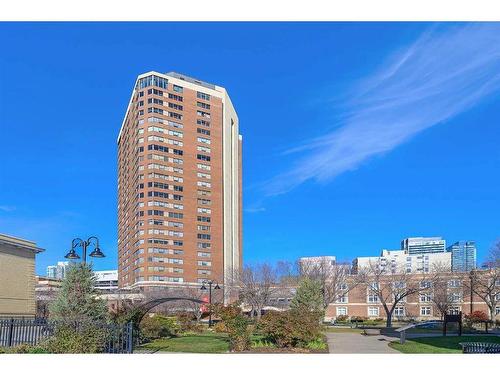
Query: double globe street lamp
{"type": "Point", "coordinates": [78, 242]}
{"type": "Point", "coordinates": [204, 287]}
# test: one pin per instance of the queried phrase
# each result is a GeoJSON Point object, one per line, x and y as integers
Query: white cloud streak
{"type": "Point", "coordinates": [445, 72]}
{"type": "Point", "coordinates": [7, 208]}
{"type": "Point", "coordinates": [254, 210]}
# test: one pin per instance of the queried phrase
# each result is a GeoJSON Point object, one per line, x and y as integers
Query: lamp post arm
{"type": "Point", "coordinates": [76, 242]}
{"type": "Point", "coordinates": [79, 242]}
{"type": "Point", "coordinates": [95, 239]}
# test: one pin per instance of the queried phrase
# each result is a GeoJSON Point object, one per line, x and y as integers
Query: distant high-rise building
{"type": "Point", "coordinates": [52, 272]}
{"type": "Point", "coordinates": [400, 261]}
{"type": "Point", "coordinates": [323, 263]}
{"type": "Point", "coordinates": [179, 184]}
{"type": "Point", "coordinates": [107, 280]}
{"type": "Point", "coordinates": [417, 254]}
{"type": "Point", "coordinates": [423, 245]}
{"type": "Point", "coordinates": [463, 256]}
{"type": "Point", "coordinates": [58, 271]}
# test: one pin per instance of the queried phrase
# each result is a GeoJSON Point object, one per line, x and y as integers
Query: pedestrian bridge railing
{"type": "Point", "coordinates": [402, 330]}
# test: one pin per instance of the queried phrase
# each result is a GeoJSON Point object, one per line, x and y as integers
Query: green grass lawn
{"type": "Point", "coordinates": [193, 343]}
{"type": "Point", "coordinates": [439, 344]}
{"type": "Point", "coordinates": [206, 342]}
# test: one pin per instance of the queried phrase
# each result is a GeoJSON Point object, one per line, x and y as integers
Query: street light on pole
{"type": "Point", "coordinates": [84, 244]}
{"type": "Point", "coordinates": [203, 287]}
{"type": "Point", "coordinates": [471, 276]}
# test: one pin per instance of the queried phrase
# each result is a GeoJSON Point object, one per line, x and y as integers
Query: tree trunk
{"type": "Point", "coordinates": [259, 313]}
{"type": "Point", "coordinates": [492, 312]}
{"type": "Point", "coordinates": [389, 317]}
{"type": "Point", "coordinates": [389, 321]}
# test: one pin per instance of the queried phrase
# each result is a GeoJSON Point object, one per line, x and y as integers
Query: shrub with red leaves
{"type": "Point", "coordinates": [476, 317]}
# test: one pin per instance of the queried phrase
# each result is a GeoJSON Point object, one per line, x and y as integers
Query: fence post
{"type": "Point", "coordinates": [130, 338]}
{"type": "Point", "coordinates": [11, 332]}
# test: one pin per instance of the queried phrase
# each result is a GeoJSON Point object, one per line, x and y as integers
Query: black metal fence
{"type": "Point", "coordinates": [120, 338]}
{"type": "Point", "coordinates": [15, 331]}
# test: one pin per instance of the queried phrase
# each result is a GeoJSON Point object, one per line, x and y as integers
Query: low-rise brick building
{"type": "Point", "coordinates": [359, 299]}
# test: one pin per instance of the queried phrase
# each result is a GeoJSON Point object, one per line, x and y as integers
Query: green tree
{"type": "Point", "coordinates": [77, 300]}
{"type": "Point", "coordinates": [153, 327]}
{"type": "Point", "coordinates": [309, 296]}
{"type": "Point", "coordinates": [236, 325]}
{"type": "Point", "coordinates": [292, 328]}
{"type": "Point", "coordinates": [78, 314]}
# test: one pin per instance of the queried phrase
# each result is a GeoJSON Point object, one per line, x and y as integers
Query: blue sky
{"type": "Point", "coordinates": [356, 135]}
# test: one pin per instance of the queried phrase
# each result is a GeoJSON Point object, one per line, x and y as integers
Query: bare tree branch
{"type": "Point", "coordinates": [391, 287]}
{"type": "Point", "coordinates": [486, 283]}
{"type": "Point", "coordinates": [333, 277]}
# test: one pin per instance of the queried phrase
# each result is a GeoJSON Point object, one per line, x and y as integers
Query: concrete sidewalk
{"type": "Point", "coordinates": [356, 343]}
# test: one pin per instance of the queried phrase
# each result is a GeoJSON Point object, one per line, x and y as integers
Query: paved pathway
{"type": "Point", "coordinates": [357, 343]}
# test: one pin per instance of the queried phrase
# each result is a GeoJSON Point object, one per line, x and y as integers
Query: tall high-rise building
{"type": "Point", "coordinates": [423, 245]}
{"type": "Point", "coordinates": [57, 271]}
{"type": "Point", "coordinates": [463, 256]}
{"type": "Point", "coordinates": [179, 183]}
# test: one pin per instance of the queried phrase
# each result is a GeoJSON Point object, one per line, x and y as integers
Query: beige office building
{"type": "Point", "coordinates": [17, 277]}
{"type": "Point", "coordinates": [179, 184]}
{"type": "Point", "coordinates": [402, 261]}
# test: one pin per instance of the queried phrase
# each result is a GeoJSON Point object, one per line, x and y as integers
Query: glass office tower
{"type": "Point", "coordinates": [463, 256]}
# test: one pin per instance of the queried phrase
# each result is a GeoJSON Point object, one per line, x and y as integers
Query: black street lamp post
{"type": "Point", "coordinates": [97, 253]}
{"type": "Point", "coordinates": [471, 277]}
{"type": "Point", "coordinates": [203, 287]}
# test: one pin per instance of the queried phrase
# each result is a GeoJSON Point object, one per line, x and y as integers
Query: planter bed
{"type": "Point", "coordinates": [286, 350]}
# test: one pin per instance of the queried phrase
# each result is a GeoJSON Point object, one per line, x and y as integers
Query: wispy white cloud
{"type": "Point", "coordinates": [253, 210]}
{"type": "Point", "coordinates": [7, 208]}
{"type": "Point", "coordinates": [445, 72]}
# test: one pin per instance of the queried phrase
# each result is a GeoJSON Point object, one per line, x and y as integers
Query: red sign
{"type": "Point", "coordinates": [204, 307]}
